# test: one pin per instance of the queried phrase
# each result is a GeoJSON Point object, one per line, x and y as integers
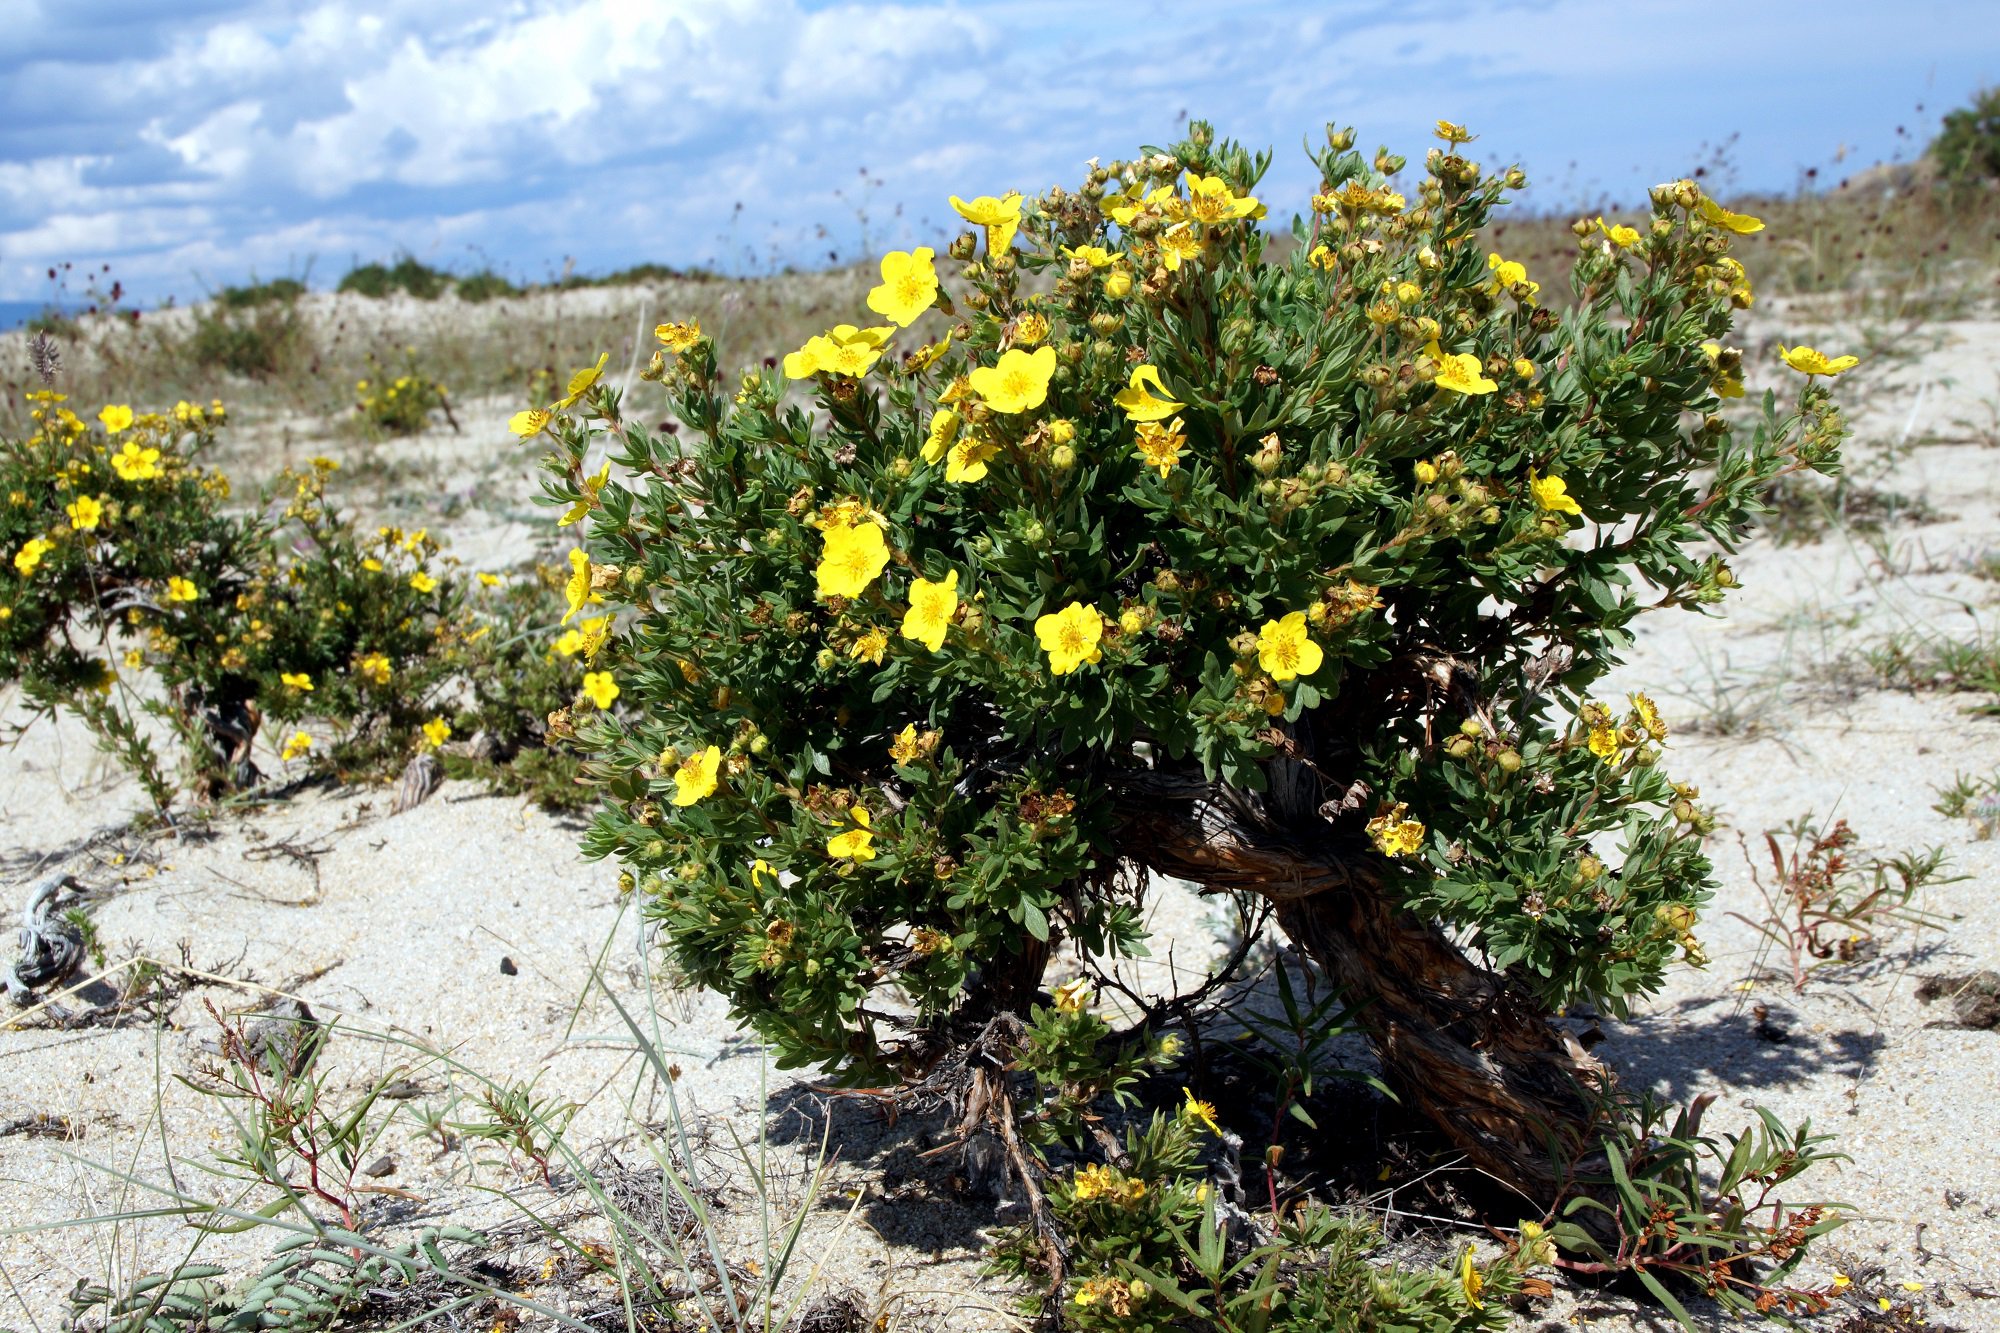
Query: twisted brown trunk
{"type": "Point", "coordinates": [1459, 1045]}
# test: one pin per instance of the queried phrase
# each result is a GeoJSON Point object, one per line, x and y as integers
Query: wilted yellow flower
{"type": "Point", "coordinates": [1649, 717]}
{"type": "Point", "coordinates": [580, 383]}
{"type": "Point", "coordinates": [1469, 1280]}
{"type": "Point", "coordinates": [854, 555]}
{"type": "Point", "coordinates": [1001, 217]}
{"type": "Point", "coordinates": [855, 844]}
{"type": "Point", "coordinates": [116, 418]}
{"type": "Point", "coordinates": [1285, 648]}
{"type": "Point", "coordinates": [1809, 362]}
{"type": "Point", "coordinates": [1159, 446]}
{"type": "Point", "coordinates": [134, 463]}
{"type": "Point", "coordinates": [31, 553]}
{"type": "Point", "coordinates": [1552, 495]}
{"type": "Point", "coordinates": [904, 748]}
{"type": "Point", "coordinates": [436, 732]}
{"type": "Point", "coordinates": [1603, 743]}
{"type": "Point", "coordinates": [297, 680]}
{"type": "Point", "coordinates": [944, 429]}
{"type": "Point", "coordinates": [1019, 382]}
{"type": "Point", "coordinates": [1073, 996]}
{"type": "Point", "coordinates": [870, 647]}
{"type": "Point", "coordinates": [530, 422]}
{"type": "Point", "coordinates": [600, 688]}
{"type": "Point", "coordinates": [1094, 255]}
{"type": "Point", "coordinates": [679, 337]}
{"type": "Point", "coordinates": [85, 512]}
{"type": "Point", "coordinates": [932, 606]}
{"type": "Point", "coordinates": [1070, 637]}
{"type": "Point", "coordinates": [375, 667]}
{"type": "Point", "coordinates": [1740, 223]}
{"type": "Point", "coordinates": [423, 582]}
{"type": "Point", "coordinates": [1144, 403]}
{"type": "Point", "coordinates": [909, 285]}
{"type": "Point", "coordinates": [1030, 329]}
{"type": "Point", "coordinates": [1394, 833]}
{"type": "Point", "coordinates": [1195, 1111]}
{"type": "Point", "coordinates": [179, 589]}
{"type": "Point", "coordinates": [695, 779]}
{"type": "Point", "coordinates": [1453, 134]}
{"type": "Point", "coordinates": [1179, 244]}
{"type": "Point", "coordinates": [592, 488]}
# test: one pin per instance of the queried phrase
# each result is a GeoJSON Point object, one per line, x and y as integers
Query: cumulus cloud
{"type": "Point", "coordinates": [217, 136]}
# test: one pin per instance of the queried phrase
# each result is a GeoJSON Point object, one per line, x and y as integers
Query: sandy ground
{"type": "Point", "coordinates": [466, 939]}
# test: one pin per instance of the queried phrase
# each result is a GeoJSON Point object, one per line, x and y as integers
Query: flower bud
{"type": "Point", "coordinates": [1508, 760]}
{"type": "Point", "coordinates": [1118, 284]}
{"type": "Point", "coordinates": [1244, 644]}
{"type": "Point", "coordinates": [1269, 455]}
{"type": "Point", "coordinates": [824, 659]}
{"type": "Point", "coordinates": [963, 246]}
{"type": "Point", "coordinates": [1340, 140]}
{"type": "Point", "coordinates": [1458, 747]}
{"type": "Point", "coordinates": [1472, 727]}
{"type": "Point", "coordinates": [1426, 473]}
{"type": "Point", "coordinates": [1062, 458]}
{"type": "Point", "coordinates": [1004, 262]}
{"type": "Point", "coordinates": [1105, 323]}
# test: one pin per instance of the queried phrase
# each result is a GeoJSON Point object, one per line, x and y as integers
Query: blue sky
{"type": "Point", "coordinates": [190, 143]}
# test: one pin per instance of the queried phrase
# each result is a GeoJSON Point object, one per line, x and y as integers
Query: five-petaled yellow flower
{"type": "Point", "coordinates": [600, 688]}
{"type": "Point", "coordinates": [695, 778]}
{"type": "Point", "coordinates": [581, 382]}
{"type": "Point", "coordinates": [375, 667]}
{"type": "Point", "coordinates": [855, 554]}
{"type": "Point", "coordinates": [423, 582]}
{"type": "Point", "coordinates": [1469, 1280]}
{"type": "Point", "coordinates": [1070, 637]}
{"type": "Point", "coordinates": [1603, 743]}
{"type": "Point", "coordinates": [1179, 244]}
{"type": "Point", "coordinates": [843, 350]}
{"type": "Point", "coordinates": [1285, 648]}
{"type": "Point", "coordinates": [1552, 495]}
{"type": "Point", "coordinates": [1019, 382]}
{"type": "Point", "coordinates": [85, 512]}
{"type": "Point", "coordinates": [679, 337]}
{"type": "Point", "coordinates": [134, 463]}
{"type": "Point", "coordinates": [1159, 446]}
{"type": "Point", "coordinates": [116, 418]}
{"type": "Point", "coordinates": [1459, 372]}
{"type": "Point", "coordinates": [1809, 362]}
{"type": "Point", "coordinates": [1394, 833]}
{"type": "Point", "coordinates": [298, 745]}
{"type": "Point", "coordinates": [1619, 235]}
{"type": "Point", "coordinates": [1094, 255]}
{"type": "Point", "coordinates": [1144, 398]}
{"type": "Point", "coordinates": [871, 647]}
{"type": "Point", "coordinates": [577, 593]}
{"type": "Point", "coordinates": [855, 844]}
{"type": "Point", "coordinates": [909, 285]}
{"type": "Point", "coordinates": [181, 590]}
{"type": "Point", "coordinates": [904, 749]}
{"type": "Point", "coordinates": [592, 488]}
{"type": "Point", "coordinates": [1211, 200]}
{"type": "Point", "coordinates": [530, 422]}
{"type": "Point", "coordinates": [932, 605]}
{"type": "Point", "coordinates": [31, 553]}
{"type": "Point", "coordinates": [1740, 223]}
{"type": "Point", "coordinates": [436, 732]}
{"type": "Point", "coordinates": [1001, 217]}
{"type": "Point", "coordinates": [296, 680]}
{"type": "Point", "coordinates": [1195, 1111]}
{"type": "Point", "coordinates": [968, 456]}
{"type": "Point", "coordinates": [944, 429]}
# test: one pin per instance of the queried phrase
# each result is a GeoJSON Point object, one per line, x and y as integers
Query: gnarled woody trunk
{"type": "Point", "coordinates": [1457, 1042]}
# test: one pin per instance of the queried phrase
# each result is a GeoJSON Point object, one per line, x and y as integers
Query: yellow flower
{"type": "Point", "coordinates": [968, 457]}
{"type": "Point", "coordinates": [1524, 368]}
{"type": "Point", "coordinates": [1394, 833]}
{"type": "Point", "coordinates": [695, 779]}
{"type": "Point", "coordinates": [530, 422]}
{"type": "Point", "coordinates": [1459, 372]}
{"type": "Point", "coordinates": [423, 582]}
{"type": "Point", "coordinates": [1740, 223]}
{"type": "Point", "coordinates": [904, 748]}
{"type": "Point", "coordinates": [134, 659]}
{"type": "Point", "coordinates": [298, 745]}
{"type": "Point", "coordinates": [1211, 200]}
{"type": "Point", "coordinates": [371, 564]}
{"type": "Point", "coordinates": [1140, 402]}
{"type": "Point", "coordinates": [1070, 637]}
{"type": "Point", "coordinates": [116, 419]}
{"type": "Point", "coordinates": [1536, 1246]}
{"type": "Point", "coordinates": [581, 382]}
{"type": "Point", "coordinates": [932, 605]}
{"type": "Point", "coordinates": [909, 285]}
{"type": "Point", "coordinates": [1178, 244]}
{"type": "Point", "coordinates": [1469, 1280]}
{"type": "Point", "coordinates": [870, 647]}
{"type": "Point", "coordinates": [1621, 236]}
{"type": "Point", "coordinates": [134, 463]}
{"type": "Point", "coordinates": [1507, 275]}
{"type": "Point", "coordinates": [1159, 446]}
{"type": "Point", "coordinates": [1453, 134]}
{"type": "Point", "coordinates": [1073, 996]}
{"type": "Point", "coordinates": [1649, 717]}
{"type": "Point", "coordinates": [1285, 649]}
{"type": "Point", "coordinates": [856, 844]}
{"type": "Point", "coordinates": [592, 488]}
{"type": "Point", "coordinates": [854, 556]}
{"type": "Point", "coordinates": [577, 593]}
{"type": "Point", "coordinates": [1725, 386]}
{"type": "Point", "coordinates": [1018, 383]}
{"type": "Point", "coordinates": [31, 553]}
{"type": "Point", "coordinates": [179, 589]}
{"type": "Point", "coordinates": [600, 688]}
{"type": "Point", "coordinates": [842, 350]}
{"type": "Point", "coordinates": [1094, 255]}
{"type": "Point", "coordinates": [679, 337]}
{"type": "Point", "coordinates": [487, 580]}
{"type": "Point", "coordinates": [84, 512]}
{"type": "Point", "coordinates": [1131, 621]}
{"type": "Point", "coordinates": [1030, 329]}
{"type": "Point", "coordinates": [1408, 293]}
{"type": "Point", "coordinates": [1809, 362]}
{"type": "Point", "coordinates": [1001, 217]}
{"type": "Point", "coordinates": [375, 667]}
{"type": "Point", "coordinates": [436, 732]}
{"type": "Point", "coordinates": [297, 680]}
{"type": "Point", "coordinates": [944, 429]}
{"type": "Point", "coordinates": [1195, 1111]}
{"type": "Point", "coordinates": [1552, 495]}
{"type": "Point", "coordinates": [1603, 743]}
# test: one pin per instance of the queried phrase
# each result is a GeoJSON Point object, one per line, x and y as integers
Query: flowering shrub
{"type": "Point", "coordinates": [399, 404]}
{"type": "Point", "coordinates": [1286, 572]}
